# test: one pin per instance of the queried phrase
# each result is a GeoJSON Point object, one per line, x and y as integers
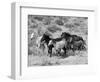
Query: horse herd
{"type": "Point", "coordinates": [62, 44]}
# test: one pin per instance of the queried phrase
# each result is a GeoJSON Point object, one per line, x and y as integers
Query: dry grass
{"type": "Point", "coordinates": [78, 58]}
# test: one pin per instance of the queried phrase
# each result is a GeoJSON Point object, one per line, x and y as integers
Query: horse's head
{"type": "Point", "coordinates": [65, 35]}
{"type": "Point", "coordinates": [51, 42]}
{"type": "Point", "coordinates": [45, 38]}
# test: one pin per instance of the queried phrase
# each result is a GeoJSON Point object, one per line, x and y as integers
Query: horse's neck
{"type": "Point", "coordinates": [58, 39]}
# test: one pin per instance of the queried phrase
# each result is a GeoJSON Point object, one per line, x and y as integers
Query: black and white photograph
{"type": "Point", "coordinates": [57, 40]}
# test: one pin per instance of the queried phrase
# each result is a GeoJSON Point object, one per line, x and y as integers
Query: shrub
{"type": "Point", "coordinates": [59, 22]}
{"type": "Point", "coordinates": [54, 29]}
{"type": "Point", "coordinates": [47, 21]}
{"type": "Point", "coordinates": [39, 18]}
{"type": "Point", "coordinates": [69, 25]}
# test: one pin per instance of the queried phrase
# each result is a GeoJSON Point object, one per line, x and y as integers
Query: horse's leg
{"type": "Point", "coordinates": [73, 51]}
{"type": "Point", "coordinates": [64, 49]}
{"type": "Point", "coordinates": [59, 52]}
{"type": "Point", "coordinates": [50, 52]}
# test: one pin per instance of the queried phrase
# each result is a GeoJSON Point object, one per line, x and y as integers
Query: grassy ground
{"type": "Point", "coordinates": [79, 58]}
{"type": "Point", "coordinates": [55, 25]}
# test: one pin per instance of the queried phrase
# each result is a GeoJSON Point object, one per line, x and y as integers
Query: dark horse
{"type": "Point", "coordinates": [45, 40]}
{"type": "Point", "coordinates": [74, 42]}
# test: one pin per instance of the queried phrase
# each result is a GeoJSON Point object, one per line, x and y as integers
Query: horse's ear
{"type": "Point", "coordinates": [62, 34]}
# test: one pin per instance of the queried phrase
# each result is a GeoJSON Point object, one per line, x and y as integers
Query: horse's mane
{"type": "Point", "coordinates": [57, 39]}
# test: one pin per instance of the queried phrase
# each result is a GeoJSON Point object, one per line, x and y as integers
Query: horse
{"type": "Point", "coordinates": [77, 38]}
{"type": "Point", "coordinates": [43, 41]}
{"type": "Point", "coordinates": [72, 38]}
{"type": "Point", "coordinates": [75, 43]}
{"type": "Point", "coordinates": [58, 44]}
{"type": "Point", "coordinates": [32, 35]}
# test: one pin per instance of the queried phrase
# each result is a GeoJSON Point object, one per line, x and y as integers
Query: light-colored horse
{"type": "Point", "coordinates": [58, 46]}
